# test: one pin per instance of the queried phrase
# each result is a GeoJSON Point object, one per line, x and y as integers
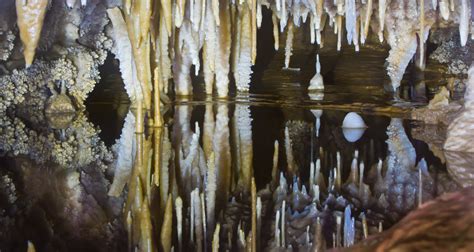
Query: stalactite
{"type": "Point", "coordinates": [70, 3]}
{"type": "Point", "coordinates": [164, 170]}
{"type": "Point", "coordinates": [351, 20]}
{"type": "Point", "coordinates": [126, 153]}
{"type": "Point", "coordinates": [124, 54]}
{"type": "Point", "coordinates": [276, 33]}
{"type": "Point", "coordinates": [382, 9]}
{"type": "Point", "coordinates": [179, 221]}
{"type": "Point", "coordinates": [180, 9]}
{"type": "Point", "coordinates": [422, 34]}
{"type": "Point", "coordinates": [223, 46]}
{"type": "Point", "coordinates": [138, 23]}
{"type": "Point", "coordinates": [211, 191]}
{"type": "Point", "coordinates": [83, 3]}
{"type": "Point", "coordinates": [222, 152]}
{"type": "Point", "coordinates": [215, 239]}
{"type": "Point", "coordinates": [253, 17]}
{"type": "Point", "coordinates": [444, 9]}
{"type": "Point", "coordinates": [464, 20]}
{"type": "Point", "coordinates": [244, 50]}
{"type": "Point", "coordinates": [367, 18]}
{"type": "Point", "coordinates": [198, 221]}
{"type": "Point", "coordinates": [208, 51]}
{"type": "Point", "coordinates": [289, 44]}
{"type": "Point", "coordinates": [245, 155]}
{"type": "Point", "coordinates": [163, 50]}
{"type": "Point", "coordinates": [30, 18]}
{"type": "Point", "coordinates": [339, 31]}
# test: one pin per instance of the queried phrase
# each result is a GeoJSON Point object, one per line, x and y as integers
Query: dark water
{"type": "Point", "coordinates": [55, 194]}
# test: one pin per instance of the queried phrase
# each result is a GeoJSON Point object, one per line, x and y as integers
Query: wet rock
{"type": "Point", "coordinates": [460, 167]}
{"type": "Point", "coordinates": [448, 219]}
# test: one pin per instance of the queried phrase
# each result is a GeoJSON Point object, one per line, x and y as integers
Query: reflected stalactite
{"type": "Point", "coordinates": [243, 125]}
{"type": "Point", "coordinates": [222, 154]}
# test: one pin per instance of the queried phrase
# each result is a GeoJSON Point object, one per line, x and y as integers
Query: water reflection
{"type": "Point", "coordinates": [221, 174]}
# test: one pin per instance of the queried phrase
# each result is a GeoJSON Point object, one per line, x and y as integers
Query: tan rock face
{"type": "Point", "coordinates": [30, 22]}
{"type": "Point", "coordinates": [449, 218]}
{"type": "Point", "coordinates": [461, 130]}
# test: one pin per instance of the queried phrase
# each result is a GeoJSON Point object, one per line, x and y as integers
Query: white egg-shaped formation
{"type": "Point", "coordinates": [352, 134]}
{"type": "Point", "coordinates": [317, 82]}
{"type": "Point", "coordinates": [353, 121]}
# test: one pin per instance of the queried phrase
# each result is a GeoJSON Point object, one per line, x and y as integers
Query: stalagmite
{"type": "Point", "coordinates": [318, 236]}
{"type": "Point", "coordinates": [204, 219]}
{"type": "Point", "coordinates": [289, 44]}
{"type": "Point", "coordinates": [277, 227]}
{"type": "Point", "coordinates": [275, 161]}
{"type": "Point", "coordinates": [339, 171]}
{"type": "Point", "coordinates": [317, 82]}
{"type": "Point", "coordinates": [254, 214]}
{"type": "Point", "coordinates": [338, 230]}
{"type": "Point", "coordinates": [464, 20]}
{"type": "Point", "coordinates": [31, 247]}
{"type": "Point", "coordinates": [420, 186]}
{"type": "Point", "coordinates": [215, 239]}
{"type": "Point", "coordinates": [30, 17]}
{"type": "Point", "coordinates": [145, 226]}
{"type": "Point", "coordinates": [179, 221]}
{"type": "Point", "coordinates": [283, 224]}
{"type": "Point", "coordinates": [167, 226]}
{"type": "Point", "coordinates": [289, 153]}
{"type": "Point", "coordinates": [365, 228]}
{"type": "Point", "coordinates": [349, 229]}
{"type": "Point", "coordinates": [259, 222]}
{"type": "Point", "coordinates": [382, 9]}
